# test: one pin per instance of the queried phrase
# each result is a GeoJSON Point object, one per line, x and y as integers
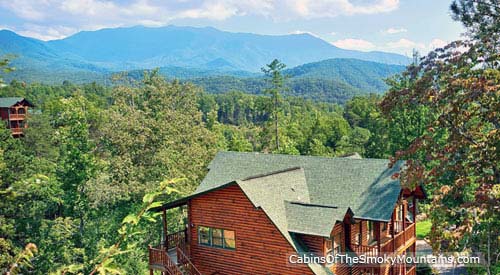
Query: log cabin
{"type": "Point", "coordinates": [14, 110]}
{"type": "Point", "coordinates": [254, 213]}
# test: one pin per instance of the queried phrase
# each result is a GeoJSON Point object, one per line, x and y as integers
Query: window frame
{"type": "Point", "coordinates": [209, 237]}
{"type": "Point", "coordinates": [335, 244]}
{"type": "Point", "coordinates": [371, 231]}
{"type": "Point", "coordinates": [222, 238]}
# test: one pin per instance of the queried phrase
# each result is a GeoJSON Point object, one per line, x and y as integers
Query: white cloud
{"type": "Point", "coordinates": [26, 9]}
{"type": "Point", "coordinates": [405, 44]}
{"type": "Point", "coordinates": [46, 33]}
{"type": "Point", "coordinates": [354, 44]}
{"type": "Point", "coordinates": [333, 33]}
{"type": "Point", "coordinates": [332, 8]}
{"type": "Point", "coordinates": [437, 43]}
{"type": "Point", "coordinates": [82, 14]}
{"type": "Point", "coordinates": [394, 30]}
{"type": "Point", "coordinates": [305, 32]}
{"type": "Point", "coordinates": [214, 11]}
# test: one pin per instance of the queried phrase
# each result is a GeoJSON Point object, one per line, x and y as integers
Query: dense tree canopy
{"type": "Point", "coordinates": [457, 153]}
{"type": "Point", "coordinates": [94, 154]}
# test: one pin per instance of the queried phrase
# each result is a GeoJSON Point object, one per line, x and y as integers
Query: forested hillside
{"type": "Point", "coordinates": [75, 190]}
{"type": "Point", "coordinates": [333, 80]}
{"type": "Point", "coordinates": [92, 152]}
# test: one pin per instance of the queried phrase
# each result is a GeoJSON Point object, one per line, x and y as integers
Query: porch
{"type": "Point", "coordinates": [399, 241]}
{"type": "Point", "coordinates": [172, 255]}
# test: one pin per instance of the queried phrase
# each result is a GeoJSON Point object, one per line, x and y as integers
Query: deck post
{"type": "Point", "coordinates": [165, 229]}
{"type": "Point", "coordinates": [377, 226]}
{"type": "Point", "coordinates": [414, 209]}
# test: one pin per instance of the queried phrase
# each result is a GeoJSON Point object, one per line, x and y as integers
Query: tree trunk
{"type": "Point", "coordinates": [276, 122]}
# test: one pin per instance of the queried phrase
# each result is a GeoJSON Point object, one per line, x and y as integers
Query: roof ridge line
{"type": "Point", "coordinates": [272, 173]}
{"type": "Point", "coordinates": [313, 204]}
{"type": "Point", "coordinates": [304, 156]}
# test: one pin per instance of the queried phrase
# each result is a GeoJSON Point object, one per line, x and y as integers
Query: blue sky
{"type": "Point", "coordinates": [385, 25]}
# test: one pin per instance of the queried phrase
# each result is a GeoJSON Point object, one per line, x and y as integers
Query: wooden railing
{"type": "Point", "coordinates": [159, 257]}
{"type": "Point", "coordinates": [402, 237]}
{"type": "Point", "coordinates": [17, 116]}
{"type": "Point", "coordinates": [411, 270]}
{"type": "Point", "coordinates": [368, 250]}
{"type": "Point", "coordinates": [176, 239]}
{"type": "Point", "coordinates": [16, 131]}
{"type": "Point", "coordinates": [409, 231]}
{"type": "Point", "coordinates": [389, 246]}
{"type": "Point", "coordinates": [397, 228]}
{"type": "Point", "coordinates": [186, 265]}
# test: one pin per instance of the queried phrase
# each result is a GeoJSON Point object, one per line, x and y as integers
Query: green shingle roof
{"type": "Point", "coordinates": [363, 185]}
{"type": "Point", "coordinates": [6, 102]}
{"type": "Point", "coordinates": [313, 219]}
{"type": "Point", "coordinates": [306, 194]}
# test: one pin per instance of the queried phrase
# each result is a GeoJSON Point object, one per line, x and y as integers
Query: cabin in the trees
{"type": "Point", "coordinates": [261, 213]}
{"type": "Point", "coordinates": [13, 110]}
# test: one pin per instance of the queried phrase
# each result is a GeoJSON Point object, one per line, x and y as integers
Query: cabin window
{"type": "Point", "coordinates": [371, 231]}
{"type": "Point", "coordinates": [204, 235]}
{"type": "Point", "coordinates": [400, 212]}
{"type": "Point", "coordinates": [216, 237]}
{"type": "Point", "coordinates": [337, 241]}
{"type": "Point", "coordinates": [384, 226]}
{"type": "Point", "coordinates": [334, 244]}
{"type": "Point", "coordinates": [358, 238]}
{"type": "Point", "coordinates": [229, 240]}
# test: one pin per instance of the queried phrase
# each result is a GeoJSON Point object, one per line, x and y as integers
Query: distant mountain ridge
{"type": "Point", "coordinates": [216, 60]}
{"type": "Point", "coordinates": [121, 49]}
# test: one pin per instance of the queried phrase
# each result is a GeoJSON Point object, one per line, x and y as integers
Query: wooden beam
{"type": "Point", "coordinates": [377, 227]}
{"type": "Point", "coordinates": [165, 229]}
{"type": "Point", "coordinates": [414, 209]}
{"type": "Point", "coordinates": [361, 238]}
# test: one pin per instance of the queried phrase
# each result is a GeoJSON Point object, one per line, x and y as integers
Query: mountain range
{"type": "Point", "coordinates": [193, 53]}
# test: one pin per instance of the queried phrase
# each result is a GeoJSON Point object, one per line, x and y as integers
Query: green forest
{"type": "Point", "coordinates": [75, 190]}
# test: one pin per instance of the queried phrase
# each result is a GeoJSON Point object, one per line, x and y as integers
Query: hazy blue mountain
{"type": "Point", "coordinates": [35, 60]}
{"type": "Point", "coordinates": [216, 60]}
{"type": "Point", "coordinates": [143, 47]}
{"type": "Point", "coordinates": [122, 49]}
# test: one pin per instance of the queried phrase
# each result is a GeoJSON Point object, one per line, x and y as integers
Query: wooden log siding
{"type": "Point", "coordinates": [315, 244]}
{"type": "Point", "coordinates": [260, 247]}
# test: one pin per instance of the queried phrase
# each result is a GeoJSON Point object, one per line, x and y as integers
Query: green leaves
{"type": "Point", "coordinates": [131, 218]}
{"type": "Point", "coordinates": [454, 148]}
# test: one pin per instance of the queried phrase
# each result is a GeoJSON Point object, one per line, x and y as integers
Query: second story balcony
{"type": "Point", "coordinates": [17, 117]}
{"type": "Point", "coordinates": [401, 237]}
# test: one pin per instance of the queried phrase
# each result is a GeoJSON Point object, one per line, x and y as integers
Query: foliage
{"type": "Point", "coordinates": [4, 67]}
{"type": "Point", "coordinates": [457, 152]}
{"type": "Point", "coordinates": [23, 259]}
{"type": "Point", "coordinates": [424, 269]}
{"type": "Point", "coordinates": [423, 229]}
{"type": "Point", "coordinates": [276, 83]}
{"type": "Point", "coordinates": [93, 154]}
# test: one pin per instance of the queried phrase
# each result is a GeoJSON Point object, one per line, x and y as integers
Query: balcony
{"type": "Point", "coordinates": [389, 245]}
{"type": "Point", "coordinates": [17, 117]}
{"type": "Point", "coordinates": [16, 131]}
{"type": "Point", "coordinates": [172, 257]}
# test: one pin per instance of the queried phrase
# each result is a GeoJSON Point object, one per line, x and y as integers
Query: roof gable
{"type": "Point", "coordinates": [6, 102]}
{"type": "Point", "coordinates": [364, 185]}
